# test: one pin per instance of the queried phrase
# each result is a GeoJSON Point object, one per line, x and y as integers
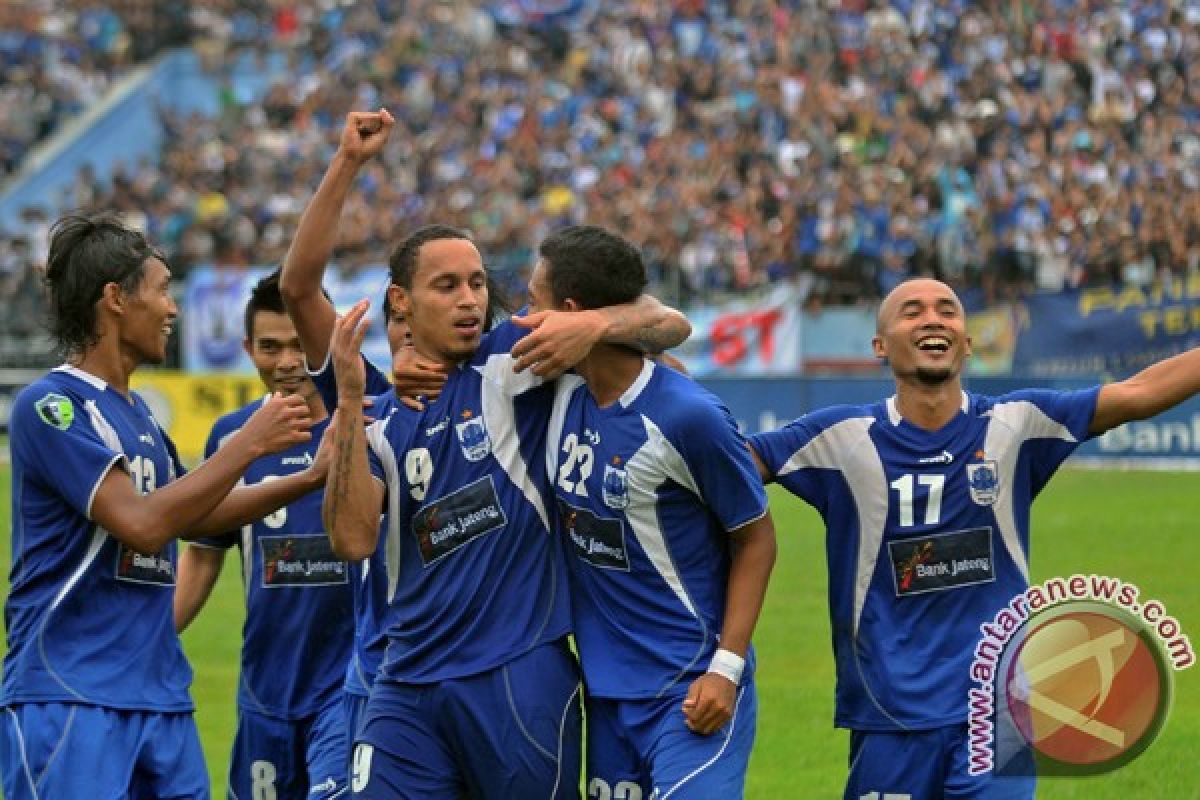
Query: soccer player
{"type": "Point", "coordinates": [298, 635]}
{"type": "Point", "coordinates": [926, 498]}
{"type": "Point", "coordinates": [313, 314]}
{"type": "Point", "coordinates": [478, 604]}
{"type": "Point", "coordinates": [670, 545]}
{"type": "Point", "coordinates": [95, 695]}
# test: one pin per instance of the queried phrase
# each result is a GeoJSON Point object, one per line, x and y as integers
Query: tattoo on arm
{"type": "Point", "coordinates": [342, 467]}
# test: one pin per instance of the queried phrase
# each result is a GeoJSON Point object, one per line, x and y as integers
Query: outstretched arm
{"type": "Point", "coordinates": [147, 522]}
{"type": "Point", "coordinates": [711, 697]}
{"type": "Point", "coordinates": [353, 497]}
{"type": "Point", "coordinates": [1153, 390]}
{"type": "Point", "coordinates": [560, 339]}
{"type": "Point", "coordinates": [363, 136]}
{"type": "Point", "coordinates": [247, 504]}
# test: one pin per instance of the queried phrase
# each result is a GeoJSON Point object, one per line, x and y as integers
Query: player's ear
{"type": "Point", "coordinates": [399, 300]}
{"type": "Point", "coordinates": [969, 344]}
{"type": "Point", "coordinates": [877, 347]}
{"type": "Point", "coordinates": [571, 304]}
{"type": "Point", "coordinates": [112, 299]}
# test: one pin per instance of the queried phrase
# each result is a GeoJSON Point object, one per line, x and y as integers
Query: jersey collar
{"type": "Point", "coordinates": [95, 382]}
{"type": "Point", "coordinates": [635, 389]}
{"type": "Point", "coordinates": [895, 417]}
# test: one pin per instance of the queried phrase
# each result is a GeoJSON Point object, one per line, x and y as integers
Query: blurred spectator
{"type": "Point", "coordinates": [1001, 146]}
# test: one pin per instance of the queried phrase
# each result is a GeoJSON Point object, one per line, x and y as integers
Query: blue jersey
{"type": "Point", "coordinates": [927, 537]}
{"type": "Point", "coordinates": [480, 579]}
{"type": "Point", "coordinates": [369, 576]}
{"type": "Point", "coordinates": [647, 490]}
{"type": "Point", "coordinates": [89, 620]}
{"type": "Point", "coordinates": [299, 624]}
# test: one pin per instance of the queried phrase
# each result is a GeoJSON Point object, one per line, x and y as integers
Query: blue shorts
{"type": "Point", "coordinates": [647, 744]}
{"type": "Point", "coordinates": [290, 758]}
{"type": "Point", "coordinates": [68, 750]}
{"type": "Point", "coordinates": [924, 764]}
{"type": "Point", "coordinates": [511, 732]}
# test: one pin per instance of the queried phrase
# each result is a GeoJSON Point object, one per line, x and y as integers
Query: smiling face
{"type": "Point", "coordinates": [922, 332]}
{"type": "Point", "coordinates": [446, 305]}
{"type": "Point", "coordinates": [274, 347]}
{"type": "Point", "coordinates": [150, 318]}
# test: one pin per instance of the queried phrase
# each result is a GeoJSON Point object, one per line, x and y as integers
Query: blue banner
{"type": "Point", "coordinates": [214, 314]}
{"type": "Point", "coordinates": [1106, 331]}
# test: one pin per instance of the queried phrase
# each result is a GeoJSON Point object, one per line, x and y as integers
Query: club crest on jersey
{"type": "Point", "coordinates": [983, 480]}
{"type": "Point", "coordinates": [56, 411]}
{"type": "Point", "coordinates": [473, 436]}
{"type": "Point", "coordinates": [616, 487]}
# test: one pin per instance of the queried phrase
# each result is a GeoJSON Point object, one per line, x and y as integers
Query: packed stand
{"type": "Point", "coordinates": [1000, 146]}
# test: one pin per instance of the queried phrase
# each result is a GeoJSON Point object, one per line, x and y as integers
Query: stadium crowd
{"type": "Point", "coordinates": [1002, 146]}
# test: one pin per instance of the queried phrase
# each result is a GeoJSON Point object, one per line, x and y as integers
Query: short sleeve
{"type": "Point", "coordinates": [64, 444]}
{"type": "Point", "coordinates": [718, 458]}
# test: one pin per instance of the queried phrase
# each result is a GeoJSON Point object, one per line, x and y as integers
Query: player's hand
{"type": "Point", "coordinates": [345, 352]}
{"type": "Point", "coordinates": [417, 380]}
{"type": "Point", "coordinates": [558, 341]}
{"type": "Point", "coordinates": [282, 421]}
{"type": "Point", "coordinates": [709, 703]}
{"type": "Point", "coordinates": [365, 134]}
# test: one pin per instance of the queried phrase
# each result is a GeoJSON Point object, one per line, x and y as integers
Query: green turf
{"type": "Point", "coordinates": [1136, 526]}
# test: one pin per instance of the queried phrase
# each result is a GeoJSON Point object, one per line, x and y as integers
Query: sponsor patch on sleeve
{"type": "Point", "coordinates": [600, 542]}
{"type": "Point", "coordinates": [300, 560]}
{"type": "Point", "coordinates": [451, 521]}
{"type": "Point", "coordinates": [944, 561]}
{"type": "Point", "coordinates": [134, 567]}
{"type": "Point", "coordinates": [56, 410]}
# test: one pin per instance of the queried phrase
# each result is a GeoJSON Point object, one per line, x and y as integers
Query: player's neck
{"type": "Point", "coordinates": [610, 370]}
{"type": "Point", "coordinates": [432, 354]}
{"type": "Point", "coordinates": [108, 362]}
{"type": "Point", "coordinates": [928, 407]}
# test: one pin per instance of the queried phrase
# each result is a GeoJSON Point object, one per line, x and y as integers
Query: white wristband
{"type": "Point", "coordinates": [728, 664]}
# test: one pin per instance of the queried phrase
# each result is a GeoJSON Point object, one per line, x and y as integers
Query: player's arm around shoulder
{"type": "Point", "coordinates": [558, 340]}
{"type": "Point", "coordinates": [1153, 390]}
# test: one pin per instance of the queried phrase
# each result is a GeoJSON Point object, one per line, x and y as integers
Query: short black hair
{"type": "Point", "coordinates": [592, 266]}
{"type": "Point", "coordinates": [403, 262]}
{"type": "Point", "coordinates": [265, 296]}
{"type": "Point", "coordinates": [88, 251]}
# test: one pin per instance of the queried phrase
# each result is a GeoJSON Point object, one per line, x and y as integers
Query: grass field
{"type": "Point", "coordinates": [1140, 527]}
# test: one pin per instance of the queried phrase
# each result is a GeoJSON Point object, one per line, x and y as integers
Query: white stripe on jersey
{"type": "Point", "coordinates": [656, 458]}
{"type": "Point", "coordinates": [497, 389]}
{"type": "Point", "coordinates": [378, 442]}
{"type": "Point", "coordinates": [1013, 424]}
{"type": "Point", "coordinates": [841, 447]}
{"type": "Point", "coordinates": [247, 549]}
{"type": "Point", "coordinates": [15, 721]}
{"type": "Point", "coordinates": [563, 391]}
{"type": "Point", "coordinates": [110, 438]}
